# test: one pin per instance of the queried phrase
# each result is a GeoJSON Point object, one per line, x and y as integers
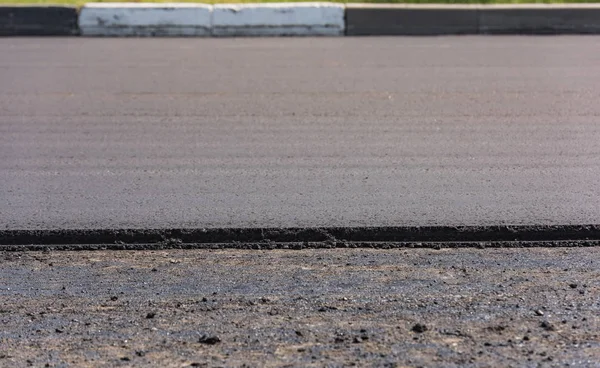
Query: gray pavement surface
{"type": "Point", "coordinates": [155, 133]}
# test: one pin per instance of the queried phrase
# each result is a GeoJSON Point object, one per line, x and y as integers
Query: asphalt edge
{"type": "Point", "coordinates": [298, 246]}
{"type": "Point", "coordinates": [297, 19]}
{"type": "Point", "coordinates": [325, 237]}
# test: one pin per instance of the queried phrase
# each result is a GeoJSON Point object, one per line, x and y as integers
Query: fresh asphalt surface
{"type": "Point", "coordinates": [172, 133]}
{"type": "Point", "coordinates": [158, 133]}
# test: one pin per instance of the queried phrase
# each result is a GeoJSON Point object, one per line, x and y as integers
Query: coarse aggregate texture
{"type": "Point", "coordinates": [535, 307]}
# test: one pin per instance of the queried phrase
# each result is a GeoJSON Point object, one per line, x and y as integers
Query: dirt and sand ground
{"type": "Point", "coordinates": [523, 307]}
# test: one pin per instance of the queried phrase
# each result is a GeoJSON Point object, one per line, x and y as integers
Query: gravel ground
{"type": "Point", "coordinates": [525, 307]}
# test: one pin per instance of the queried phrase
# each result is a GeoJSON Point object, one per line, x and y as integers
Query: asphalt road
{"type": "Point", "coordinates": [154, 133]}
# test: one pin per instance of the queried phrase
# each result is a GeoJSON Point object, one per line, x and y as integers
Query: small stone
{"type": "Point", "coordinates": [125, 359]}
{"type": "Point", "coordinates": [547, 326]}
{"type": "Point", "coordinates": [327, 308]}
{"type": "Point", "coordinates": [573, 285]}
{"type": "Point", "coordinates": [497, 329]}
{"type": "Point", "coordinates": [419, 328]}
{"type": "Point", "coordinates": [150, 315]}
{"type": "Point", "coordinates": [538, 312]}
{"type": "Point", "coordinates": [114, 298]}
{"type": "Point", "coordinates": [209, 340]}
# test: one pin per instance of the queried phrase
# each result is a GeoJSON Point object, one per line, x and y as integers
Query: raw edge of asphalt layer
{"type": "Point", "coordinates": [299, 238]}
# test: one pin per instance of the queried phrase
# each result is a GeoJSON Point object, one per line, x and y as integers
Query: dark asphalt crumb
{"type": "Point", "coordinates": [327, 308]}
{"type": "Point", "coordinates": [547, 326]}
{"type": "Point", "coordinates": [209, 340]}
{"type": "Point", "coordinates": [150, 315]}
{"type": "Point", "coordinates": [419, 328]}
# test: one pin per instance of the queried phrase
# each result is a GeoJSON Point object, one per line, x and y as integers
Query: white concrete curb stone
{"type": "Point", "coordinates": [145, 19]}
{"type": "Point", "coordinates": [278, 19]}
